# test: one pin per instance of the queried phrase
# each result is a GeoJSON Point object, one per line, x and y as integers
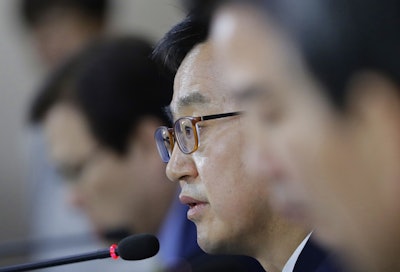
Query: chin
{"type": "Point", "coordinates": [206, 241]}
{"type": "Point", "coordinates": [214, 245]}
{"type": "Point", "coordinates": [210, 247]}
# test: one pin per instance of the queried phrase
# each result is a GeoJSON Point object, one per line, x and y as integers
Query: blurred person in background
{"type": "Point", "coordinates": [99, 112]}
{"type": "Point", "coordinates": [90, 113]}
{"type": "Point", "coordinates": [61, 27]}
{"type": "Point", "coordinates": [203, 151]}
{"type": "Point", "coordinates": [57, 30]}
{"type": "Point", "coordinates": [320, 81]}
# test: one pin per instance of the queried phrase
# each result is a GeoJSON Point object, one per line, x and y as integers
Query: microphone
{"type": "Point", "coordinates": [25, 247]}
{"type": "Point", "coordinates": [134, 247]}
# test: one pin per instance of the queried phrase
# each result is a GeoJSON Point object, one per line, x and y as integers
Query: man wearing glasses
{"type": "Point", "coordinates": [103, 148]}
{"type": "Point", "coordinates": [229, 206]}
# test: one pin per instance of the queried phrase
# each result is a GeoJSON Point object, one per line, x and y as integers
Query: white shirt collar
{"type": "Point", "coordinates": [289, 266]}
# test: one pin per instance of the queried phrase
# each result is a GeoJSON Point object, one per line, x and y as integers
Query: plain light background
{"type": "Point", "coordinates": [21, 72]}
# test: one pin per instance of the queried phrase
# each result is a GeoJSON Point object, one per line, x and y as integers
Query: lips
{"type": "Point", "coordinates": [196, 207]}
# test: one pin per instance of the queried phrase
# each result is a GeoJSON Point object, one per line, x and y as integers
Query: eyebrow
{"type": "Point", "coordinates": [250, 93]}
{"type": "Point", "coordinates": [194, 98]}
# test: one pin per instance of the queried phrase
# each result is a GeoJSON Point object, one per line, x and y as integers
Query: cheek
{"type": "Point", "coordinates": [240, 207]}
{"type": "Point", "coordinates": [322, 165]}
{"type": "Point", "coordinates": [106, 184]}
{"type": "Point", "coordinates": [304, 158]}
{"type": "Point", "coordinates": [230, 187]}
{"type": "Point", "coordinates": [319, 156]}
{"type": "Point", "coordinates": [269, 151]}
{"type": "Point", "coordinates": [281, 155]}
{"type": "Point", "coordinates": [220, 167]}
{"type": "Point", "coordinates": [100, 180]}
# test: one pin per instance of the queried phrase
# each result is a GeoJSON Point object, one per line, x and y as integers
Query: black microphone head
{"type": "Point", "coordinates": [138, 247]}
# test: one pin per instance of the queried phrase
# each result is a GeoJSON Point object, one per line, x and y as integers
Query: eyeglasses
{"type": "Point", "coordinates": [185, 132]}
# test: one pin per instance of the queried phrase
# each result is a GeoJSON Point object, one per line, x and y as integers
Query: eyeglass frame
{"type": "Point", "coordinates": [194, 120]}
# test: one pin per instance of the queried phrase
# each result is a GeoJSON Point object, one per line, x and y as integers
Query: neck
{"type": "Point", "coordinates": [282, 240]}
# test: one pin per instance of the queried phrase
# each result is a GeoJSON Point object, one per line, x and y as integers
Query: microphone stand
{"type": "Point", "coordinates": [101, 254]}
{"type": "Point", "coordinates": [22, 247]}
{"type": "Point", "coordinates": [134, 247]}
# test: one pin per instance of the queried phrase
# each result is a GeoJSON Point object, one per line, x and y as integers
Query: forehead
{"type": "Point", "coordinates": [199, 86]}
{"type": "Point", "coordinates": [249, 45]}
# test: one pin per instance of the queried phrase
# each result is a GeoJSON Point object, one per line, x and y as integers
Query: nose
{"type": "Point", "coordinates": [180, 166]}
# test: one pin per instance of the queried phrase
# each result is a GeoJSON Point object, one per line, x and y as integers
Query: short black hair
{"type": "Point", "coordinates": [114, 83]}
{"type": "Point", "coordinates": [338, 38]}
{"type": "Point", "coordinates": [32, 10]}
{"type": "Point", "coordinates": [173, 47]}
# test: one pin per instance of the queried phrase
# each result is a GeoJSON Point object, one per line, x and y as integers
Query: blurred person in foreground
{"type": "Point", "coordinates": [59, 28]}
{"type": "Point", "coordinates": [203, 151]}
{"type": "Point", "coordinates": [320, 81]}
{"type": "Point", "coordinates": [99, 112]}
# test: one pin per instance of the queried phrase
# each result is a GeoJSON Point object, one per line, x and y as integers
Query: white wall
{"type": "Point", "coordinates": [17, 77]}
{"type": "Point", "coordinates": [152, 17]}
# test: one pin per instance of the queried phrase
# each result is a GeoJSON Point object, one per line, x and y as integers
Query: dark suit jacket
{"type": "Point", "coordinates": [314, 258]}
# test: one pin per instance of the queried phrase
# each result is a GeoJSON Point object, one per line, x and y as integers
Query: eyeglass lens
{"type": "Point", "coordinates": [185, 134]}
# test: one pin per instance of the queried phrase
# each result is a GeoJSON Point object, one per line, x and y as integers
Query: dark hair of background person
{"type": "Point", "coordinates": [114, 83]}
{"type": "Point", "coordinates": [337, 38]}
{"type": "Point", "coordinates": [33, 10]}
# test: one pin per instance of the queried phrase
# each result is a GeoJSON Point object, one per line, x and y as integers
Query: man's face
{"type": "Point", "coordinates": [113, 191]}
{"type": "Point", "coordinates": [61, 32]}
{"type": "Point", "coordinates": [225, 204]}
{"type": "Point", "coordinates": [318, 163]}
{"type": "Point", "coordinates": [257, 64]}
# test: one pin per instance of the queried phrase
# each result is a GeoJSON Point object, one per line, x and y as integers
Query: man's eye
{"type": "Point", "coordinates": [188, 131]}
